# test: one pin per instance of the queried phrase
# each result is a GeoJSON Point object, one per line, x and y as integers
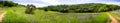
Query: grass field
{"type": "Point", "coordinates": [116, 15]}
{"type": "Point", "coordinates": [17, 15]}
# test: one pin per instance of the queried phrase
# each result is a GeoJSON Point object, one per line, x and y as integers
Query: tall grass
{"type": "Point", "coordinates": [17, 15]}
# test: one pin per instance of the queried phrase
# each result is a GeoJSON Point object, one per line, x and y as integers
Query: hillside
{"type": "Point", "coordinates": [9, 4]}
{"type": "Point", "coordinates": [82, 8]}
{"type": "Point", "coordinates": [17, 15]}
{"type": "Point", "coordinates": [80, 13]}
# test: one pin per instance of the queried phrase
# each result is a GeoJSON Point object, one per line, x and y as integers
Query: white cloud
{"type": "Point", "coordinates": [51, 2]}
{"type": "Point", "coordinates": [115, 3]}
{"type": "Point", "coordinates": [36, 4]}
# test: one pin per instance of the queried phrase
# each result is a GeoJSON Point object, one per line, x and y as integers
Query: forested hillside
{"type": "Point", "coordinates": [82, 8]}
{"type": "Point", "coordinates": [9, 4]}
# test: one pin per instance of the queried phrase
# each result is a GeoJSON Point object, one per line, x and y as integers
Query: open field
{"type": "Point", "coordinates": [17, 15]}
{"type": "Point", "coordinates": [116, 15]}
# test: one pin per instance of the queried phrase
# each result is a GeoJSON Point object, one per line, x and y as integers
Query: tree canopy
{"type": "Point", "coordinates": [8, 4]}
{"type": "Point", "coordinates": [82, 8]}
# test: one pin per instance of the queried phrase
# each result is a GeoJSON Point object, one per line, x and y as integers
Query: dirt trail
{"type": "Point", "coordinates": [113, 20]}
{"type": "Point", "coordinates": [2, 15]}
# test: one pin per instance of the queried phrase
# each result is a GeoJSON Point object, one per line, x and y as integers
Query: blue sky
{"type": "Point", "coordinates": [42, 3]}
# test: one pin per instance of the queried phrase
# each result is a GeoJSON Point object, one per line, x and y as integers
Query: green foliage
{"type": "Point", "coordinates": [17, 15]}
{"type": "Point", "coordinates": [82, 8]}
{"type": "Point", "coordinates": [30, 9]}
{"type": "Point", "coordinates": [104, 18]}
{"type": "Point", "coordinates": [8, 4]}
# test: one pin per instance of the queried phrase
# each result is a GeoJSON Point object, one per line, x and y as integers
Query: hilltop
{"type": "Point", "coordinates": [82, 8]}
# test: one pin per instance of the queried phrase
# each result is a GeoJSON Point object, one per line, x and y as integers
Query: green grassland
{"type": "Point", "coordinates": [17, 15]}
{"type": "Point", "coordinates": [116, 16]}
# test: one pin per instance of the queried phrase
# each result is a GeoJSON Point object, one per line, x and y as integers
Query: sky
{"type": "Point", "coordinates": [42, 3]}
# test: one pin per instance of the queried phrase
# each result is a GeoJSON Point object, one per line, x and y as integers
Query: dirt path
{"type": "Point", "coordinates": [113, 20]}
{"type": "Point", "coordinates": [2, 15]}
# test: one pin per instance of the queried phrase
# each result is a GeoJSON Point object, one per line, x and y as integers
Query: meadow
{"type": "Point", "coordinates": [17, 15]}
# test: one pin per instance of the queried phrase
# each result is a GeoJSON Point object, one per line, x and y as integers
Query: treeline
{"type": "Point", "coordinates": [8, 4]}
{"type": "Point", "coordinates": [82, 8]}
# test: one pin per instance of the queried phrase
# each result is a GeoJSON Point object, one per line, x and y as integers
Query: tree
{"type": "Point", "coordinates": [30, 9]}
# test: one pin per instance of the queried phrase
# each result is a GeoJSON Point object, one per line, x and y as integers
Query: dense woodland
{"type": "Point", "coordinates": [9, 4]}
{"type": "Point", "coordinates": [82, 8]}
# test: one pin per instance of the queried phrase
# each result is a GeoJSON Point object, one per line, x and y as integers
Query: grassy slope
{"type": "Point", "coordinates": [116, 14]}
{"type": "Point", "coordinates": [17, 15]}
